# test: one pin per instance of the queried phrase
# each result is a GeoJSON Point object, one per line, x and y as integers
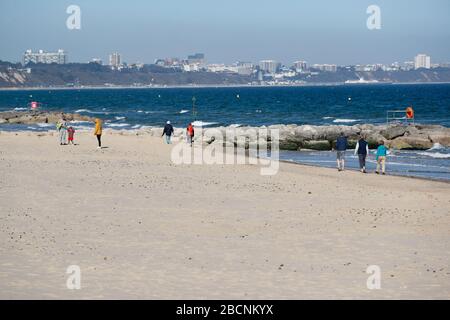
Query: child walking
{"type": "Point", "coordinates": [381, 158]}
{"type": "Point", "coordinates": [71, 132]}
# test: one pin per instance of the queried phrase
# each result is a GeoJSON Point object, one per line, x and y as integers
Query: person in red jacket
{"type": "Point", "coordinates": [190, 134]}
{"type": "Point", "coordinates": [71, 132]}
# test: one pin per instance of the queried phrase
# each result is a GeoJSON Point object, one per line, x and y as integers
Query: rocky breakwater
{"type": "Point", "coordinates": [322, 138]}
{"type": "Point", "coordinates": [31, 117]}
{"type": "Point", "coordinates": [401, 137]}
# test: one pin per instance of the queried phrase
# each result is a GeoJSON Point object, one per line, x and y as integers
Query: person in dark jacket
{"type": "Point", "coordinates": [362, 150]}
{"type": "Point", "coordinates": [341, 147]}
{"type": "Point", "coordinates": [168, 131]}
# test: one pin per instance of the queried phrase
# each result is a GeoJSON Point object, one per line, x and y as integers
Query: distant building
{"type": "Point", "coordinates": [97, 61]}
{"type": "Point", "coordinates": [198, 58]}
{"type": "Point", "coordinates": [422, 61]}
{"type": "Point", "coordinates": [115, 60]}
{"type": "Point", "coordinates": [244, 68]}
{"type": "Point", "coordinates": [269, 66]}
{"type": "Point", "coordinates": [408, 65]}
{"type": "Point", "coordinates": [173, 63]}
{"type": "Point", "coordinates": [325, 67]}
{"type": "Point", "coordinates": [59, 57]}
{"type": "Point", "coordinates": [300, 66]}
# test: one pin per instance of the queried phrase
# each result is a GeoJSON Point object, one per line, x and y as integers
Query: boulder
{"type": "Point", "coordinates": [289, 145]}
{"type": "Point", "coordinates": [306, 132]}
{"type": "Point", "coordinates": [393, 132]}
{"type": "Point", "coordinates": [374, 139]}
{"type": "Point", "coordinates": [31, 117]}
{"type": "Point", "coordinates": [320, 145]}
{"type": "Point", "coordinates": [411, 142]}
{"type": "Point", "coordinates": [441, 139]}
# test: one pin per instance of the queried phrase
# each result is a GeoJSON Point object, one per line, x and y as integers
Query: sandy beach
{"type": "Point", "coordinates": [141, 227]}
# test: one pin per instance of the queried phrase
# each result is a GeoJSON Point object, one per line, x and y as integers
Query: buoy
{"type": "Point", "coordinates": [349, 99]}
{"type": "Point", "coordinates": [34, 105]}
{"type": "Point", "coordinates": [409, 113]}
{"type": "Point", "coordinates": [237, 96]}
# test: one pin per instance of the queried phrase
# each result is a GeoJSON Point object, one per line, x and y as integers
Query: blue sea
{"type": "Point", "coordinates": [256, 106]}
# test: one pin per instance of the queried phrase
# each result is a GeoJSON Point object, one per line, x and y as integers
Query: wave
{"type": "Point", "coordinates": [82, 128]}
{"type": "Point", "coordinates": [136, 126]}
{"type": "Point", "coordinates": [184, 111]}
{"type": "Point", "coordinates": [119, 118]}
{"type": "Point", "coordinates": [203, 124]}
{"type": "Point", "coordinates": [118, 125]}
{"type": "Point", "coordinates": [20, 109]}
{"type": "Point", "coordinates": [345, 120]}
{"type": "Point", "coordinates": [436, 155]}
{"type": "Point", "coordinates": [436, 146]}
{"type": "Point", "coordinates": [326, 118]}
{"type": "Point", "coordinates": [45, 125]}
{"type": "Point", "coordinates": [79, 121]}
{"type": "Point", "coordinates": [90, 111]}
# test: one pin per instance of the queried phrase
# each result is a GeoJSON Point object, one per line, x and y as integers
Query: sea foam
{"type": "Point", "coordinates": [202, 124]}
{"type": "Point", "coordinates": [345, 120]}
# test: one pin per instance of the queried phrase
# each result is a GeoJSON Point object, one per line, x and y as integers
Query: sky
{"type": "Point", "coordinates": [318, 31]}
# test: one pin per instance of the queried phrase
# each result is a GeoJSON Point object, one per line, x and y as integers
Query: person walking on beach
{"type": "Point", "coordinates": [341, 147]}
{"type": "Point", "coordinates": [98, 132]}
{"type": "Point", "coordinates": [362, 150]}
{"type": "Point", "coordinates": [381, 158]}
{"type": "Point", "coordinates": [71, 132]}
{"type": "Point", "coordinates": [62, 130]}
{"type": "Point", "coordinates": [190, 134]}
{"type": "Point", "coordinates": [168, 131]}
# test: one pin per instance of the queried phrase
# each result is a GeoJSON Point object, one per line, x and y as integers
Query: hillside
{"type": "Point", "coordinates": [92, 74]}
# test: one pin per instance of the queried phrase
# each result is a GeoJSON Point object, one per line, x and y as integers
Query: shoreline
{"type": "Point", "coordinates": [136, 133]}
{"type": "Point", "coordinates": [447, 181]}
{"type": "Point", "coordinates": [218, 86]}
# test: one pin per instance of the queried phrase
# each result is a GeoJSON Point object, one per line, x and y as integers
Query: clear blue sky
{"type": "Point", "coordinates": [319, 31]}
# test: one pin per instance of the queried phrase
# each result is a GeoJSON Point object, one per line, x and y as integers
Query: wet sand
{"type": "Point", "coordinates": [141, 227]}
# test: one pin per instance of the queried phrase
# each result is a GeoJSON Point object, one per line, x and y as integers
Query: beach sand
{"type": "Point", "coordinates": [141, 227]}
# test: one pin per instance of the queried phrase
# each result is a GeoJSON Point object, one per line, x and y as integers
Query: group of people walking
{"type": "Point", "coordinates": [66, 133]}
{"type": "Point", "coordinates": [168, 132]}
{"type": "Point", "coordinates": [66, 136]}
{"type": "Point", "coordinates": [362, 151]}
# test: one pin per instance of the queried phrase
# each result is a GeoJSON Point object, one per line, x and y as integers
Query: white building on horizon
{"type": "Point", "coordinates": [269, 66]}
{"type": "Point", "coordinates": [300, 66]}
{"type": "Point", "coordinates": [41, 56]}
{"type": "Point", "coordinates": [115, 60]}
{"type": "Point", "coordinates": [325, 67]}
{"type": "Point", "coordinates": [422, 61]}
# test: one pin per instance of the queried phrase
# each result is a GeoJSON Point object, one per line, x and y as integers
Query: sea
{"type": "Point", "coordinates": [135, 108]}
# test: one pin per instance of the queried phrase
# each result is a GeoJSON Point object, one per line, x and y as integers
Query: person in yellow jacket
{"type": "Point", "coordinates": [98, 132]}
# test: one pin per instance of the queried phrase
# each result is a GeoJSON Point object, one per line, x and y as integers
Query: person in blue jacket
{"type": "Point", "coordinates": [341, 147]}
{"type": "Point", "coordinates": [381, 158]}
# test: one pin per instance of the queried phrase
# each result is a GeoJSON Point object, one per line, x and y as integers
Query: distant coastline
{"type": "Point", "coordinates": [331, 84]}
